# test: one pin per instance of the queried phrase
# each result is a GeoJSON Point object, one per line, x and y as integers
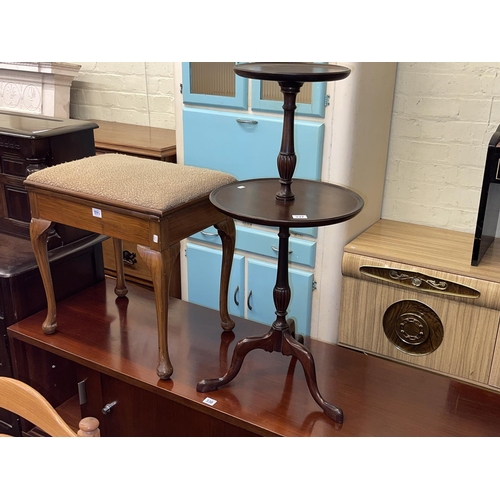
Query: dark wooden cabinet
{"type": "Point", "coordinates": [29, 143]}
{"type": "Point", "coordinates": [104, 357]}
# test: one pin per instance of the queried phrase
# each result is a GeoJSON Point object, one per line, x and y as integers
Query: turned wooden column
{"type": "Point", "coordinates": [286, 157]}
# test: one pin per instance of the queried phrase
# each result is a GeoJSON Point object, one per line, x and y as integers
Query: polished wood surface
{"type": "Point", "coordinates": [137, 140]}
{"type": "Point", "coordinates": [117, 337]}
{"type": "Point", "coordinates": [315, 204]}
{"type": "Point", "coordinates": [31, 126]}
{"type": "Point", "coordinates": [292, 72]}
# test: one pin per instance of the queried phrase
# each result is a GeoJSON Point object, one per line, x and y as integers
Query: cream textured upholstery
{"type": "Point", "coordinates": [150, 184]}
{"type": "Point", "coordinates": [151, 203]}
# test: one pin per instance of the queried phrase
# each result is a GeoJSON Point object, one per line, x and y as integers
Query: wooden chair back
{"type": "Point", "coordinates": [23, 400]}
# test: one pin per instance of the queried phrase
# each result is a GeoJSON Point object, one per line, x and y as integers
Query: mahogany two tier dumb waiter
{"type": "Point", "coordinates": [308, 204]}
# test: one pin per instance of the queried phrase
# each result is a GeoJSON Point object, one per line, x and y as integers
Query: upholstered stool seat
{"type": "Point", "coordinates": [152, 203]}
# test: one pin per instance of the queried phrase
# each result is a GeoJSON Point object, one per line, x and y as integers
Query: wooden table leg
{"type": "Point", "coordinates": [39, 230]}
{"type": "Point", "coordinates": [280, 338]}
{"type": "Point", "coordinates": [292, 347]}
{"type": "Point", "coordinates": [227, 233]}
{"type": "Point", "coordinates": [160, 264]}
{"type": "Point", "coordinates": [121, 287]}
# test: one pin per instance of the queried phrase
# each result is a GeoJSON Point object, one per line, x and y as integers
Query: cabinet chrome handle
{"type": "Point", "coordinates": [276, 250]}
{"type": "Point", "coordinates": [108, 407]}
{"type": "Point", "coordinates": [248, 301]}
{"type": "Point", "coordinates": [206, 233]}
{"type": "Point", "coordinates": [236, 293]}
{"type": "Point", "coordinates": [248, 122]}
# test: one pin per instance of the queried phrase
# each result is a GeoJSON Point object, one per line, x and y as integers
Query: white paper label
{"type": "Point", "coordinates": [155, 238]}
{"type": "Point", "coordinates": [209, 401]}
{"type": "Point", "coordinates": [299, 216]}
{"type": "Point", "coordinates": [96, 212]}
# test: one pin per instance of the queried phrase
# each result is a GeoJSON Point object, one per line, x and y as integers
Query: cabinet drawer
{"type": "Point", "coordinates": [138, 271]}
{"type": "Point", "coordinates": [264, 243]}
{"type": "Point", "coordinates": [13, 165]}
{"type": "Point", "coordinates": [248, 148]}
{"type": "Point", "coordinates": [426, 280]}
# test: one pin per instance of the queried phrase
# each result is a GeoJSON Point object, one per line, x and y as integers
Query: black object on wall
{"type": "Point", "coordinates": [489, 203]}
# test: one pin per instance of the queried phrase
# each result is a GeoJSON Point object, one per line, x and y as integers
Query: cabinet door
{"type": "Point", "coordinates": [247, 146]}
{"type": "Point", "coordinates": [264, 243]}
{"type": "Point", "coordinates": [260, 302]}
{"type": "Point", "coordinates": [311, 100]}
{"type": "Point", "coordinates": [204, 268]}
{"type": "Point", "coordinates": [213, 84]}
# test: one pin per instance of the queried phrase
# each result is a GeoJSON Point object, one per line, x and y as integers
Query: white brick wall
{"type": "Point", "coordinates": [127, 92]}
{"type": "Point", "coordinates": [443, 118]}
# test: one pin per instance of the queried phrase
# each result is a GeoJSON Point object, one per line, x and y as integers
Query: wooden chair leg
{"type": "Point", "coordinates": [227, 233]}
{"type": "Point", "coordinates": [39, 230]}
{"type": "Point", "coordinates": [160, 265]}
{"type": "Point", "coordinates": [121, 287]}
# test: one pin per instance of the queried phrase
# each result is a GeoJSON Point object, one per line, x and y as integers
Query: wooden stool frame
{"type": "Point", "coordinates": [157, 234]}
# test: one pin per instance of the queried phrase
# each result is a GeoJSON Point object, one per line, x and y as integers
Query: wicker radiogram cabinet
{"type": "Point", "coordinates": [410, 294]}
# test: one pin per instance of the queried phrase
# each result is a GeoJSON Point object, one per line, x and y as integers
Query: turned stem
{"type": "Point", "coordinates": [286, 157]}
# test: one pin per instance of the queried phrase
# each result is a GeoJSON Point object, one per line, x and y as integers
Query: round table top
{"type": "Point", "coordinates": [292, 72]}
{"type": "Point", "coordinates": [315, 204]}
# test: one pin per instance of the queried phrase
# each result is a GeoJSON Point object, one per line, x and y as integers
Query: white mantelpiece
{"type": "Point", "coordinates": [40, 88]}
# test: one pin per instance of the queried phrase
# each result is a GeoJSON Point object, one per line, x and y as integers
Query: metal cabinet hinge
{"type": "Point", "coordinates": [327, 100]}
{"type": "Point", "coordinates": [180, 86]}
{"type": "Point", "coordinates": [315, 285]}
{"type": "Point", "coordinates": [82, 391]}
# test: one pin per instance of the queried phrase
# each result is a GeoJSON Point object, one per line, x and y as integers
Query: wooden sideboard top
{"type": "Point", "coordinates": [117, 337]}
{"type": "Point", "coordinates": [29, 126]}
{"type": "Point", "coordinates": [135, 139]}
{"type": "Point", "coordinates": [429, 247]}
